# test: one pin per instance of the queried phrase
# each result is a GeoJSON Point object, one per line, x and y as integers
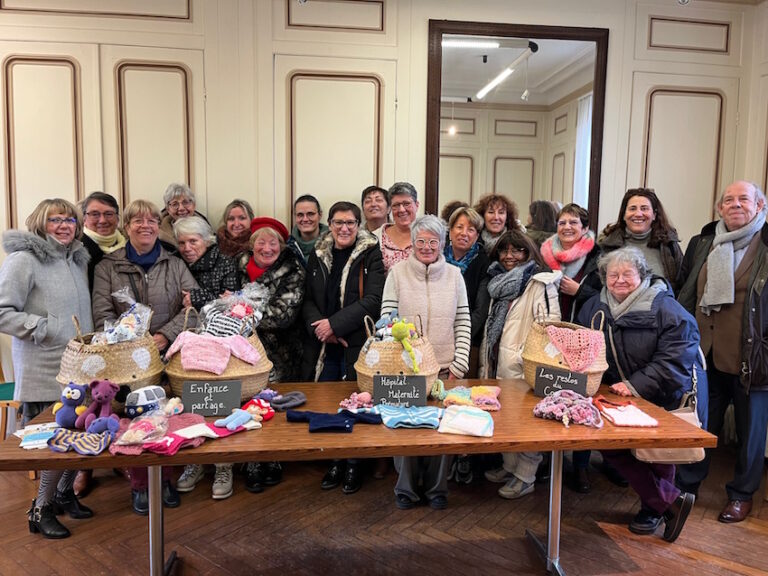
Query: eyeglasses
{"type": "Point", "coordinates": [512, 251]}
{"type": "Point", "coordinates": [574, 222]}
{"type": "Point", "coordinates": [341, 223]}
{"type": "Point", "coordinates": [176, 204]}
{"type": "Point", "coordinates": [58, 221]}
{"type": "Point", "coordinates": [145, 221]}
{"type": "Point", "coordinates": [626, 276]}
{"type": "Point", "coordinates": [421, 243]}
{"type": "Point", "coordinates": [96, 215]}
{"type": "Point", "coordinates": [397, 205]}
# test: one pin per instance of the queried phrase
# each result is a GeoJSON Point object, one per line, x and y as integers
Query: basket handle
{"type": "Point", "coordinates": [250, 320]}
{"type": "Point", "coordinates": [78, 330]}
{"type": "Point", "coordinates": [370, 326]}
{"type": "Point", "coordinates": [541, 316]}
{"type": "Point", "coordinates": [602, 321]}
{"type": "Point", "coordinates": [186, 317]}
{"type": "Point", "coordinates": [421, 326]}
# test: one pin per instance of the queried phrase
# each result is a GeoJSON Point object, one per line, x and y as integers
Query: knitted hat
{"type": "Point", "coordinates": [288, 400]}
{"type": "Point", "coordinates": [266, 222]}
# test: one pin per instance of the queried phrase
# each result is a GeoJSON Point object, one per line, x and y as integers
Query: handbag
{"type": "Point", "coordinates": [686, 411]}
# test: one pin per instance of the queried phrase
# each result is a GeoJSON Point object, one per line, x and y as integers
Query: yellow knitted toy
{"type": "Point", "coordinates": [401, 331]}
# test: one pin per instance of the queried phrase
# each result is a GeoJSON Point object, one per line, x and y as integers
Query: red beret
{"type": "Point", "coordinates": [266, 222]}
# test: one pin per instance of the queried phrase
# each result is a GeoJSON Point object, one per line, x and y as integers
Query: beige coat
{"type": "Point", "coordinates": [541, 288]}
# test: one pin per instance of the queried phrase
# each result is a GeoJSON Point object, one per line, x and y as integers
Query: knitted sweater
{"type": "Point", "coordinates": [437, 294]}
{"type": "Point", "coordinates": [209, 353]}
{"type": "Point", "coordinates": [412, 417]}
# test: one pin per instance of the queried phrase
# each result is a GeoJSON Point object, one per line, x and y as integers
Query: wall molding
{"type": "Point", "coordinates": [292, 5]}
{"type": "Point", "coordinates": [5, 6]}
{"type": "Point", "coordinates": [496, 132]}
{"type": "Point", "coordinates": [471, 171]}
{"type": "Point", "coordinates": [458, 131]}
{"type": "Point", "coordinates": [726, 49]}
{"type": "Point", "coordinates": [533, 173]}
{"type": "Point", "coordinates": [556, 131]}
{"type": "Point", "coordinates": [122, 121]}
{"type": "Point", "coordinates": [77, 128]}
{"type": "Point", "coordinates": [552, 183]}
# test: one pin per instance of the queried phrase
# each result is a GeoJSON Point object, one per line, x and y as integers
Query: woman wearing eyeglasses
{"type": "Point", "coordinates": [426, 285]}
{"type": "Point", "coordinates": [395, 239]}
{"type": "Point", "coordinates": [522, 289]}
{"type": "Point", "coordinates": [43, 283]}
{"type": "Point", "coordinates": [179, 203]}
{"type": "Point", "coordinates": [100, 233]}
{"type": "Point", "coordinates": [345, 278]}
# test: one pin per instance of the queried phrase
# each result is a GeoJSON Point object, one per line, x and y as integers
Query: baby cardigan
{"type": "Point", "coordinates": [209, 353]}
{"type": "Point", "coordinates": [343, 421]}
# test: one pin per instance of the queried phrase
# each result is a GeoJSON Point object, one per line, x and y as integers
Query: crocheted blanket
{"type": "Point", "coordinates": [580, 348]}
{"type": "Point", "coordinates": [483, 397]}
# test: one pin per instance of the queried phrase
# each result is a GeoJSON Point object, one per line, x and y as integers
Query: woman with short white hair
{"type": "Point", "coordinates": [179, 203]}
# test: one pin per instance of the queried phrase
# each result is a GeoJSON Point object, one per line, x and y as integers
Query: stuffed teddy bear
{"type": "Point", "coordinates": [102, 393]}
{"type": "Point", "coordinates": [71, 405]}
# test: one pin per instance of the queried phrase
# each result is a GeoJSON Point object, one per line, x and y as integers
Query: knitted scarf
{"type": "Point", "coordinates": [569, 261]}
{"type": "Point", "coordinates": [504, 287]}
{"type": "Point", "coordinates": [463, 262]}
{"type": "Point", "coordinates": [146, 261]}
{"type": "Point", "coordinates": [722, 263]}
{"type": "Point", "coordinates": [618, 309]}
{"type": "Point", "coordinates": [233, 245]}
{"type": "Point", "coordinates": [489, 240]}
{"type": "Point", "coordinates": [253, 269]}
{"type": "Point", "coordinates": [108, 244]}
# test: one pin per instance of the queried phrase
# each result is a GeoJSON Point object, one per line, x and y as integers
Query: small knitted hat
{"type": "Point", "coordinates": [267, 222]}
{"type": "Point", "coordinates": [288, 400]}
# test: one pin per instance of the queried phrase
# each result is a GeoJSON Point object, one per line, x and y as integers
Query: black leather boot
{"type": "Point", "coordinates": [68, 502]}
{"type": "Point", "coordinates": [43, 520]}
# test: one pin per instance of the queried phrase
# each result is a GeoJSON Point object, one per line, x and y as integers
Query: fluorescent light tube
{"type": "Point", "coordinates": [493, 83]}
{"type": "Point", "coordinates": [468, 43]}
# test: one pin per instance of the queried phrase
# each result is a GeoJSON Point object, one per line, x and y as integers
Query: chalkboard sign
{"type": "Point", "coordinates": [400, 390]}
{"type": "Point", "coordinates": [211, 398]}
{"type": "Point", "coordinates": [549, 380]}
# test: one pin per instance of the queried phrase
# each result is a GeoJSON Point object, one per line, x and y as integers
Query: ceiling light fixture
{"type": "Point", "coordinates": [504, 74]}
{"type": "Point", "coordinates": [469, 43]}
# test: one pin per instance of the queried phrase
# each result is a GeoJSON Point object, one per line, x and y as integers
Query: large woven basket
{"type": "Point", "coordinates": [535, 354]}
{"type": "Point", "coordinates": [134, 363]}
{"type": "Point", "coordinates": [390, 358]}
{"type": "Point", "coordinates": [253, 377]}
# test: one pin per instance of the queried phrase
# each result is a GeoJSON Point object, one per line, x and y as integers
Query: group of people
{"type": "Point", "coordinates": [478, 278]}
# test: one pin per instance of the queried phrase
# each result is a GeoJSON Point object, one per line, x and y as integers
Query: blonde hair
{"type": "Point", "coordinates": [138, 207]}
{"type": "Point", "coordinates": [38, 219]}
{"type": "Point", "coordinates": [271, 232]}
{"type": "Point", "coordinates": [474, 218]}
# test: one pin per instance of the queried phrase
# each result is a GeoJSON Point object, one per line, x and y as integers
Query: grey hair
{"type": "Point", "coordinates": [626, 255]}
{"type": "Point", "coordinates": [759, 195]}
{"type": "Point", "coordinates": [175, 189]}
{"type": "Point", "coordinates": [194, 225]}
{"type": "Point", "coordinates": [402, 189]}
{"type": "Point", "coordinates": [433, 225]}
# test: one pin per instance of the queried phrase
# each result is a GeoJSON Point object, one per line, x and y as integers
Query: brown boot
{"type": "Point", "coordinates": [83, 483]}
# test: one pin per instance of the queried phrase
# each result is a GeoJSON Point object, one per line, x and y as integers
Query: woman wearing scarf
{"type": "Point", "coordinates": [521, 287]}
{"type": "Point", "coordinates": [574, 252]}
{"type": "Point", "coordinates": [652, 348]}
{"type": "Point", "coordinates": [156, 278]}
{"type": "Point", "coordinates": [234, 234]}
{"type": "Point", "coordinates": [100, 233]}
{"type": "Point", "coordinates": [500, 215]}
{"type": "Point", "coordinates": [643, 224]}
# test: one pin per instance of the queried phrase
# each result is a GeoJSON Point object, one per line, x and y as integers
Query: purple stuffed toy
{"type": "Point", "coordinates": [71, 405]}
{"type": "Point", "coordinates": [102, 393]}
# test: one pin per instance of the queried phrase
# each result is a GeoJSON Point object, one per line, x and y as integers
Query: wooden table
{"type": "Point", "coordinates": [515, 430]}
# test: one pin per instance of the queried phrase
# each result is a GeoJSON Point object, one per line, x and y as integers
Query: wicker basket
{"type": "Point", "coordinates": [389, 358]}
{"type": "Point", "coordinates": [253, 377]}
{"type": "Point", "coordinates": [534, 354]}
{"type": "Point", "coordinates": [134, 363]}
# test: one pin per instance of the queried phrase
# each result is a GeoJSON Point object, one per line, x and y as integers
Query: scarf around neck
{"type": "Point", "coordinates": [146, 261]}
{"type": "Point", "coordinates": [504, 287]}
{"type": "Point", "coordinates": [254, 270]}
{"type": "Point", "coordinates": [108, 244]}
{"type": "Point", "coordinates": [569, 261]}
{"type": "Point", "coordinates": [230, 245]}
{"type": "Point", "coordinates": [721, 263]}
{"type": "Point", "coordinates": [463, 262]}
{"type": "Point", "coordinates": [618, 309]}
{"type": "Point", "coordinates": [489, 240]}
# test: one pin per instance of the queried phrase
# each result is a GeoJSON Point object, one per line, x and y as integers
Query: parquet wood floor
{"type": "Point", "coordinates": [296, 528]}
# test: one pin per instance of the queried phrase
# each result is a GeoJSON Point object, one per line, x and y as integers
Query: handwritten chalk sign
{"type": "Point", "coordinates": [400, 390]}
{"type": "Point", "coordinates": [211, 398]}
{"type": "Point", "coordinates": [549, 380]}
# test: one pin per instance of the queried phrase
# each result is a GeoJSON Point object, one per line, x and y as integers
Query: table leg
{"type": "Point", "coordinates": [552, 552]}
{"type": "Point", "coordinates": [157, 564]}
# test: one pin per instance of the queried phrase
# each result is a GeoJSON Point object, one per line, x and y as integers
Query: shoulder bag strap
{"type": "Point", "coordinates": [616, 356]}
{"type": "Point", "coordinates": [360, 280]}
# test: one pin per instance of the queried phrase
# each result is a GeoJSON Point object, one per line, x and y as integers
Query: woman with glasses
{"type": "Point", "coordinates": [179, 203]}
{"type": "Point", "coordinates": [43, 283]}
{"type": "Point", "coordinates": [100, 233]}
{"type": "Point", "coordinates": [153, 277]}
{"type": "Point", "coordinates": [426, 285]}
{"type": "Point", "coordinates": [345, 278]}
{"type": "Point", "coordinates": [643, 224]}
{"type": "Point", "coordinates": [522, 289]}
{"type": "Point", "coordinates": [395, 239]}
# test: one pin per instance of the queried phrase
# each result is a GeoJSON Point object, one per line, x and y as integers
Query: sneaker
{"type": "Point", "coordinates": [515, 488]}
{"type": "Point", "coordinates": [498, 475]}
{"type": "Point", "coordinates": [222, 482]}
{"type": "Point", "coordinates": [192, 474]}
{"type": "Point", "coordinates": [463, 470]}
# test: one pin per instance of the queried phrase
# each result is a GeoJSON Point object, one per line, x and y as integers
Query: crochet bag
{"type": "Point", "coordinates": [135, 363]}
{"type": "Point", "coordinates": [581, 345]}
{"type": "Point", "coordinates": [380, 357]}
{"type": "Point", "coordinates": [253, 377]}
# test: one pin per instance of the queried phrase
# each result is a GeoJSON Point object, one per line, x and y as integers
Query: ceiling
{"type": "Point", "coordinates": [558, 68]}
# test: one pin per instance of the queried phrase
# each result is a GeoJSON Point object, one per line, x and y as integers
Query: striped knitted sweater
{"type": "Point", "coordinates": [436, 293]}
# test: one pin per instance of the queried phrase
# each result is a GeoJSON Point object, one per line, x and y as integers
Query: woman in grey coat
{"type": "Point", "coordinates": [43, 283]}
